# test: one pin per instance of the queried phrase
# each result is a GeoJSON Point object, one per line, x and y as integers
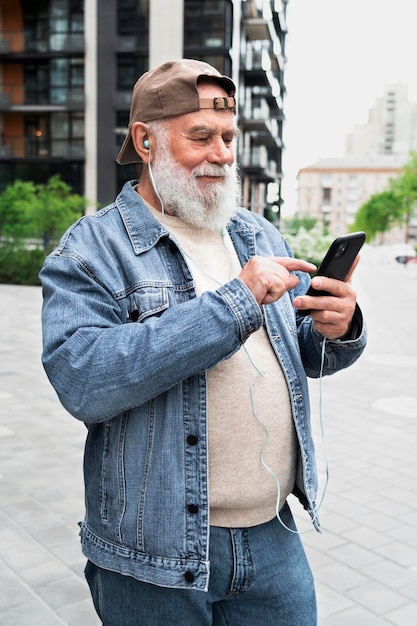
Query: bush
{"type": "Point", "coordinates": [310, 245]}
{"type": "Point", "coordinates": [20, 266]}
{"type": "Point", "coordinates": [33, 213]}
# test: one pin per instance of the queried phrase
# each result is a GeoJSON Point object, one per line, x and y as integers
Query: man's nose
{"type": "Point", "coordinates": [220, 153]}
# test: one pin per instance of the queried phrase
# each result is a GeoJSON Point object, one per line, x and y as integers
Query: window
{"type": "Point", "coordinates": [132, 16]}
{"type": "Point", "coordinates": [216, 15]}
{"type": "Point", "coordinates": [129, 69]}
{"type": "Point", "coordinates": [58, 81]}
{"type": "Point", "coordinates": [59, 134]}
{"type": "Point", "coordinates": [327, 195]}
{"type": "Point", "coordinates": [48, 23]}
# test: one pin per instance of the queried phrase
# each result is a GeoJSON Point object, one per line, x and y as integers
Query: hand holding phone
{"type": "Point", "coordinates": [337, 262]}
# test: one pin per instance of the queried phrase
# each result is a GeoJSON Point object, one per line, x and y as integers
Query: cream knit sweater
{"type": "Point", "coordinates": [248, 402]}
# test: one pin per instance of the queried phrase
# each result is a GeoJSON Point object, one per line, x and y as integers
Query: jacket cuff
{"type": "Point", "coordinates": [355, 327]}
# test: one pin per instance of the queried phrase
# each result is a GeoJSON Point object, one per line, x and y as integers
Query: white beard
{"type": "Point", "coordinates": [207, 206]}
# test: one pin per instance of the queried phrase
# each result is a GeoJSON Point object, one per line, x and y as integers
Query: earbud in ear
{"type": "Point", "coordinates": [146, 144]}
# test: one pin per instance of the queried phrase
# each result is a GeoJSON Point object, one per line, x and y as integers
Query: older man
{"type": "Point", "coordinates": [171, 329]}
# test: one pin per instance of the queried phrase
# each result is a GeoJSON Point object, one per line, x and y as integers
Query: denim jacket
{"type": "Point", "coordinates": [127, 346]}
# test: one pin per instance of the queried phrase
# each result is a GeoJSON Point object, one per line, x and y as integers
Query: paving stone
{"type": "Point", "coordinates": [404, 616]}
{"type": "Point", "coordinates": [339, 577]}
{"type": "Point", "coordinates": [376, 597]}
{"type": "Point", "coordinates": [357, 616]}
{"type": "Point", "coordinates": [330, 602]}
{"type": "Point", "coordinates": [366, 537]}
{"type": "Point", "coordinates": [31, 613]}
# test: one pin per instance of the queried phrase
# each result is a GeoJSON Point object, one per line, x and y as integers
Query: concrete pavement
{"type": "Point", "coordinates": [365, 562]}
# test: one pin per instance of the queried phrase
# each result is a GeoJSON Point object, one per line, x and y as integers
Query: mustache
{"type": "Point", "coordinates": [222, 171]}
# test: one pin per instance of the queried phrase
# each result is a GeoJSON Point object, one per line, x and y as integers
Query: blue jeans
{"type": "Point", "coordinates": [258, 576]}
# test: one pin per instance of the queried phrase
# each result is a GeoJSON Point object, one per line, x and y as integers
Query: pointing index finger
{"type": "Point", "coordinates": [293, 264]}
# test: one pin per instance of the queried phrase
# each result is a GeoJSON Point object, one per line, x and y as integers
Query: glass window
{"type": "Point", "coordinates": [327, 194]}
{"type": "Point", "coordinates": [67, 134]}
{"type": "Point", "coordinates": [36, 135]}
{"type": "Point", "coordinates": [37, 84]}
{"type": "Point", "coordinates": [132, 16]}
{"type": "Point", "coordinates": [59, 125]}
{"type": "Point", "coordinates": [47, 23]}
{"type": "Point", "coordinates": [58, 134]}
{"type": "Point", "coordinates": [216, 15]}
{"type": "Point", "coordinates": [77, 125]}
{"type": "Point", "coordinates": [128, 71]}
{"type": "Point", "coordinates": [66, 80]}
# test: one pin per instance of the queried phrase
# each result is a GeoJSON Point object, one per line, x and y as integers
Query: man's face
{"type": "Point", "coordinates": [194, 167]}
{"type": "Point", "coordinates": [205, 136]}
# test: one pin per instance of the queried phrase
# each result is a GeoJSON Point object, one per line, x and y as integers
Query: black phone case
{"type": "Point", "coordinates": [338, 261]}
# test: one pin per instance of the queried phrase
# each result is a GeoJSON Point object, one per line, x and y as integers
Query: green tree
{"type": "Point", "coordinates": [405, 187]}
{"type": "Point", "coordinates": [396, 205]}
{"type": "Point", "coordinates": [293, 224]}
{"type": "Point", "coordinates": [378, 214]}
{"type": "Point", "coordinates": [29, 211]}
{"type": "Point", "coordinates": [55, 209]}
{"type": "Point", "coordinates": [16, 204]}
{"type": "Point", "coordinates": [41, 212]}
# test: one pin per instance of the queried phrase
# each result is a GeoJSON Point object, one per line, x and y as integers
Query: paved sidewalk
{"type": "Point", "coordinates": [365, 562]}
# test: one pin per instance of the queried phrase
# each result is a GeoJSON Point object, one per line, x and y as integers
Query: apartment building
{"type": "Point", "coordinates": [391, 127]}
{"type": "Point", "coordinates": [67, 68]}
{"type": "Point", "coordinates": [332, 190]}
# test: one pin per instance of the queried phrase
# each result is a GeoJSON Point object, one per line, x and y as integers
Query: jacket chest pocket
{"type": "Point", "coordinates": [145, 302]}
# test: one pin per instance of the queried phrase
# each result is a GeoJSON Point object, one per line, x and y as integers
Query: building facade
{"type": "Point", "coordinates": [67, 68]}
{"type": "Point", "coordinates": [391, 127]}
{"type": "Point", "coordinates": [332, 190]}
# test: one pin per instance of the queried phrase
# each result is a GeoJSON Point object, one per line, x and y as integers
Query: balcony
{"type": "Point", "coordinates": [15, 97]}
{"type": "Point", "coordinates": [23, 44]}
{"type": "Point", "coordinates": [259, 22]}
{"type": "Point", "coordinates": [257, 28]}
{"type": "Point", "coordinates": [256, 118]}
{"type": "Point", "coordinates": [260, 71]}
{"type": "Point", "coordinates": [257, 164]}
{"type": "Point", "coordinates": [32, 147]}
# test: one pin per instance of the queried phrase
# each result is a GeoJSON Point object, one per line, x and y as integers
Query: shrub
{"type": "Point", "coordinates": [19, 265]}
{"type": "Point", "coordinates": [310, 245]}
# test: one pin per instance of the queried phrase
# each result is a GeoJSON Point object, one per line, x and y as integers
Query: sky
{"type": "Point", "coordinates": [340, 55]}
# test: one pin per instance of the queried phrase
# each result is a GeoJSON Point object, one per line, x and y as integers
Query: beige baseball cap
{"type": "Point", "coordinates": [171, 89]}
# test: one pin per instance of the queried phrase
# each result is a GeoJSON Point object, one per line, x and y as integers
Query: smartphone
{"type": "Point", "coordinates": [337, 262]}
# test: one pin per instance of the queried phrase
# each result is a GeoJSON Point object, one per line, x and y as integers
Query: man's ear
{"type": "Point", "coordinates": [141, 140]}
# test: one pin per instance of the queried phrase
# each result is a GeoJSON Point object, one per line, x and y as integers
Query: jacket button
{"type": "Point", "coordinates": [192, 440]}
{"type": "Point", "coordinates": [189, 577]}
{"type": "Point", "coordinates": [192, 508]}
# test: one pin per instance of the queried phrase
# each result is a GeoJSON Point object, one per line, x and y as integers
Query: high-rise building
{"type": "Point", "coordinates": [67, 68]}
{"type": "Point", "coordinates": [391, 127]}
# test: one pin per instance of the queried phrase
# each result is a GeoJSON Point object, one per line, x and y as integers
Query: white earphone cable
{"type": "Point", "coordinates": [259, 372]}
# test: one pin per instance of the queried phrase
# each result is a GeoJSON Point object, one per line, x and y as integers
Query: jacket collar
{"type": "Point", "coordinates": [141, 226]}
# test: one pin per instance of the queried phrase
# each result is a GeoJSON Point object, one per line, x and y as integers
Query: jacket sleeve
{"type": "Point", "coordinates": [101, 367]}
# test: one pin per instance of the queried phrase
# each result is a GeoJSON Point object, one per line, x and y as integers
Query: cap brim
{"type": "Point", "coordinates": [127, 152]}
